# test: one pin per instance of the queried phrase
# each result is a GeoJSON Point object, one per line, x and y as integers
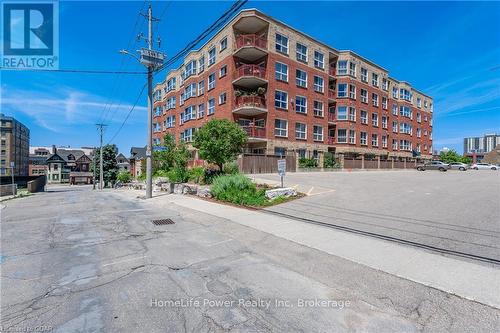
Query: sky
{"type": "Point", "coordinates": [448, 50]}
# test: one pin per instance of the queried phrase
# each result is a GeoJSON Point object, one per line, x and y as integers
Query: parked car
{"type": "Point", "coordinates": [483, 166]}
{"type": "Point", "coordinates": [433, 165]}
{"type": "Point", "coordinates": [458, 166]}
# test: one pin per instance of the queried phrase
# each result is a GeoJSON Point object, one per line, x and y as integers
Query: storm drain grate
{"type": "Point", "coordinates": [163, 221]}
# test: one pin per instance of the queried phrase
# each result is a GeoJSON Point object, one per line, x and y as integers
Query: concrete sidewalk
{"type": "Point", "coordinates": [480, 283]}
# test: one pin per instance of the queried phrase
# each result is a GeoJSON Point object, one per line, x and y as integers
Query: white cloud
{"type": "Point", "coordinates": [59, 108]}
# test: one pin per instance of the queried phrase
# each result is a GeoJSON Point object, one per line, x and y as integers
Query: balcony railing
{"type": "Point", "coordinates": [331, 117]}
{"type": "Point", "coordinates": [250, 101]}
{"type": "Point", "coordinates": [332, 71]}
{"type": "Point", "coordinates": [331, 140]}
{"type": "Point", "coordinates": [331, 94]}
{"type": "Point", "coordinates": [251, 40]}
{"type": "Point", "coordinates": [254, 131]}
{"type": "Point", "coordinates": [251, 70]}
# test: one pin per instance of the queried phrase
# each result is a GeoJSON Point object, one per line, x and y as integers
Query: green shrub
{"type": "Point", "coordinates": [231, 168]}
{"type": "Point", "coordinates": [160, 173]}
{"type": "Point", "coordinates": [308, 163]}
{"type": "Point", "coordinates": [329, 161]}
{"type": "Point", "coordinates": [178, 175]}
{"type": "Point", "coordinates": [124, 176]}
{"type": "Point", "coordinates": [196, 174]}
{"type": "Point", "coordinates": [210, 173]}
{"type": "Point", "coordinates": [237, 189]}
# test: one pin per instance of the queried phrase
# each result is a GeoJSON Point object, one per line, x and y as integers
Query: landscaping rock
{"type": "Point", "coordinates": [189, 189]}
{"type": "Point", "coordinates": [281, 192]}
{"type": "Point", "coordinates": [160, 180]}
{"type": "Point", "coordinates": [204, 192]}
{"type": "Point", "coordinates": [178, 188]}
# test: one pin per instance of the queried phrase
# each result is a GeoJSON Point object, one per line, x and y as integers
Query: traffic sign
{"type": "Point", "coordinates": [151, 57]}
{"type": "Point", "coordinates": [281, 167]}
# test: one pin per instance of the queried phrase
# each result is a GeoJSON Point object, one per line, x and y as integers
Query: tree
{"type": "Point", "coordinates": [164, 158]}
{"type": "Point", "coordinates": [452, 156]}
{"type": "Point", "coordinates": [124, 176]}
{"type": "Point", "coordinates": [109, 164]}
{"type": "Point", "coordinates": [219, 141]}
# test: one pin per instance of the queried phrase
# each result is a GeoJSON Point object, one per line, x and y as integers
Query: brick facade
{"type": "Point", "coordinates": [246, 49]}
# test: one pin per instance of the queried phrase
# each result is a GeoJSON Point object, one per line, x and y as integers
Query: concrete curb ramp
{"type": "Point", "coordinates": [466, 279]}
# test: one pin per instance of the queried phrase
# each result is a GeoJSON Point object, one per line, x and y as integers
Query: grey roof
{"type": "Point", "coordinates": [138, 152]}
{"type": "Point", "coordinates": [65, 153]}
{"type": "Point", "coordinates": [121, 156]}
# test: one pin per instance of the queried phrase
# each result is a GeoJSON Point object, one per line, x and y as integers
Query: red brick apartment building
{"type": "Point", "coordinates": [292, 93]}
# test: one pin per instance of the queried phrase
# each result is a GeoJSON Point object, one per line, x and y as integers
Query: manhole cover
{"type": "Point", "coordinates": [163, 221]}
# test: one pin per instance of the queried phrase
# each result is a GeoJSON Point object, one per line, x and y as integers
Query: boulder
{"type": "Point", "coordinates": [204, 192]}
{"type": "Point", "coordinates": [281, 192]}
{"type": "Point", "coordinates": [189, 189]}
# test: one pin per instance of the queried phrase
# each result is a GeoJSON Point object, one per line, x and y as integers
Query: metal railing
{"type": "Point", "coordinates": [251, 70]}
{"type": "Point", "coordinates": [254, 131]}
{"type": "Point", "coordinates": [252, 101]}
{"type": "Point", "coordinates": [251, 40]}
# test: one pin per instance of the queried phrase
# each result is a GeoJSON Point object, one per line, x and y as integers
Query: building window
{"type": "Point", "coordinates": [374, 80]}
{"type": "Point", "coordinates": [318, 109]}
{"type": "Point", "coordinates": [171, 84]}
{"type": "Point", "coordinates": [280, 127]}
{"type": "Point", "coordinates": [394, 92]}
{"type": "Point", "coordinates": [385, 84]}
{"type": "Point", "coordinates": [419, 117]}
{"type": "Point", "coordinates": [211, 106]}
{"type": "Point", "coordinates": [300, 131]}
{"type": "Point", "coordinates": [281, 100]}
{"type": "Point", "coordinates": [364, 75]}
{"type": "Point", "coordinates": [419, 102]}
{"type": "Point", "coordinates": [201, 110]}
{"type": "Point", "coordinates": [300, 104]}
{"type": "Point", "coordinates": [352, 69]}
{"type": "Point", "coordinates": [404, 145]}
{"type": "Point", "coordinates": [374, 140]}
{"type": "Point", "coordinates": [384, 122]}
{"type": "Point", "coordinates": [317, 133]}
{"type": "Point", "coordinates": [395, 109]}
{"type": "Point", "coordinates": [363, 138]}
{"type": "Point", "coordinates": [342, 113]}
{"type": "Point", "coordinates": [405, 111]}
{"type": "Point", "coordinates": [342, 67]}
{"type": "Point", "coordinates": [352, 114]}
{"type": "Point", "coordinates": [301, 52]}
{"type": "Point", "coordinates": [319, 60]}
{"type": "Point", "coordinates": [394, 144]}
{"type": "Point", "coordinates": [342, 90]}
{"type": "Point", "coordinates": [223, 71]}
{"type": "Point", "coordinates": [223, 44]}
{"type": "Point", "coordinates": [419, 132]}
{"type": "Point", "coordinates": [405, 94]}
{"type": "Point", "coordinates": [384, 141]}
{"type": "Point", "coordinates": [374, 99]}
{"type": "Point", "coordinates": [394, 127]}
{"type": "Point", "coordinates": [281, 72]}
{"type": "Point", "coordinates": [222, 98]}
{"type": "Point", "coordinates": [352, 91]}
{"type": "Point", "coordinates": [211, 56]}
{"type": "Point", "coordinates": [211, 81]}
{"type": "Point", "coordinates": [364, 117]}
{"type": "Point", "coordinates": [342, 135]}
{"type": "Point", "coordinates": [364, 96]}
{"type": "Point", "coordinates": [201, 88]}
{"type": "Point", "coordinates": [281, 44]}
{"type": "Point", "coordinates": [384, 103]}
{"type": "Point", "coordinates": [319, 85]}
{"type": "Point", "coordinates": [301, 78]}
{"type": "Point", "coordinates": [352, 137]}
{"type": "Point", "coordinates": [279, 151]}
{"type": "Point", "coordinates": [201, 64]}
{"type": "Point", "coordinates": [405, 128]}
{"type": "Point", "coordinates": [375, 119]}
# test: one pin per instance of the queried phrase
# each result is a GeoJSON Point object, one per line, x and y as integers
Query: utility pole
{"type": "Point", "coordinates": [152, 60]}
{"type": "Point", "coordinates": [101, 170]}
{"type": "Point", "coordinates": [93, 158]}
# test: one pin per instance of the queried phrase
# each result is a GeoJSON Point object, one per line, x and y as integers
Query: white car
{"type": "Point", "coordinates": [483, 166]}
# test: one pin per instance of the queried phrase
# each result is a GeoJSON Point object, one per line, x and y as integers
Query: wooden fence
{"type": "Point", "coordinates": [265, 163]}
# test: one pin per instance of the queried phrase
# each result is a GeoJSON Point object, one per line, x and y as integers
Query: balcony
{"type": "Point", "coordinates": [331, 117]}
{"type": "Point", "coordinates": [250, 76]}
{"type": "Point", "coordinates": [250, 47]}
{"type": "Point", "coordinates": [255, 134]}
{"type": "Point", "coordinates": [250, 105]}
{"type": "Point", "coordinates": [331, 140]}
{"type": "Point", "coordinates": [331, 94]}
{"type": "Point", "coordinates": [331, 71]}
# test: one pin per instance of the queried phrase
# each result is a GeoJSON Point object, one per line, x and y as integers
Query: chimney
{"type": "Point", "coordinates": [54, 149]}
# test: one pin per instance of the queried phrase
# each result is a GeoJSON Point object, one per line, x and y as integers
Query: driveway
{"type": "Point", "coordinates": [455, 210]}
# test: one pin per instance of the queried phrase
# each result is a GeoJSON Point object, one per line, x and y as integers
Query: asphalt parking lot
{"type": "Point", "coordinates": [455, 210]}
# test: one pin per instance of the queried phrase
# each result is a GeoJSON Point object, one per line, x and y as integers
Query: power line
{"type": "Point", "coordinates": [82, 71]}
{"type": "Point", "coordinates": [128, 114]}
{"type": "Point", "coordinates": [107, 107]}
{"type": "Point", "coordinates": [214, 26]}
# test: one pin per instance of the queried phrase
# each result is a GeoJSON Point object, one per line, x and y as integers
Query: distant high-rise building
{"type": "Point", "coordinates": [15, 142]}
{"type": "Point", "coordinates": [478, 147]}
